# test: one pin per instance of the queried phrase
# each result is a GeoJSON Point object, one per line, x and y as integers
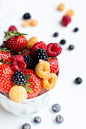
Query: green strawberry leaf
{"type": "Point", "coordinates": [28, 89]}
{"type": "Point", "coordinates": [12, 33]}
{"type": "Point", "coordinates": [5, 50]}
{"type": "Point", "coordinates": [28, 83]}
{"type": "Point", "coordinates": [2, 60]}
{"type": "Point", "coordinates": [27, 77]}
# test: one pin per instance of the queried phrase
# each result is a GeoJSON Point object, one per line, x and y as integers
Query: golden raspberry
{"type": "Point", "coordinates": [50, 83]}
{"type": "Point", "coordinates": [31, 42]}
{"type": "Point", "coordinates": [18, 94]}
{"type": "Point", "coordinates": [70, 13]}
{"type": "Point", "coordinates": [26, 23]}
{"type": "Point", "coordinates": [33, 22]}
{"type": "Point", "coordinates": [42, 69]}
{"type": "Point", "coordinates": [61, 7]}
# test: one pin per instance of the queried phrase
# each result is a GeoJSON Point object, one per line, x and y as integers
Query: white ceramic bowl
{"type": "Point", "coordinates": [29, 106]}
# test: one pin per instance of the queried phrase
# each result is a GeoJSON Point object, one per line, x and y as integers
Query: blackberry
{"type": "Point", "coordinates": [30, 62]}
{"type": "Point", "coordinates": [40, 54]}
{"type": "Point", "coordinates": [19, 78]}
{"type": "Point", "coordinates": [26, 16]}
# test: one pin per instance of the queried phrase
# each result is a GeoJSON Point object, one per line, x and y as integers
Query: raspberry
{"type": "Point", "coordinates": [50, 83]}
{"type": "Point", "coordinates": [53, 49]}
{"type": "Point", "coordinates": [66, 20]}
{"type": "Point", "coordinates": [70, 13]}
{"type": "Point", "coordinates": [31, 42]}
{"type": "Point", "coordinates": [12, 28]}
{"type": "Point", "coordinates": [61, 7]}
{"type": "Point", "coordinates": [38, 45]}
{"type": "Point", "coordinates": [42, 69]}
{"type": "Point", "coordinates": [33, 22]}
{"type": "Point", "coordinates": [18, 63]}
{"type": "Point", "coordinates": [25, 52]}
{"type": "Point", "coordinates": [18, 94]}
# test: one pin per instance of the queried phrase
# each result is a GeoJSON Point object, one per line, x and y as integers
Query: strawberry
{"type": "Point", "coordinates": [15, 41]}
{"type": "Point", "coordinates": [54, 66]}
{"type": "Point", "coordinates": [6, 73]}
{"type": "Point", "coordinates": [33, 85]}
{"type": "Point", "coordinates": [5, 55]}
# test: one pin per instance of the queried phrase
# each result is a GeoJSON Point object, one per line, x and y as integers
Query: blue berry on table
{"type": "Point", "coordinates": [59, 119]}
{"type": "Point", "coordinates": [71, 47]}
{"type": "Point", "coordinates": [76, 29]}
{"type": "Point", "coordinates": [26, 126]}
{"type": "Point", "coordinates": [55, 34]}
{"type": "Point", "coordinates": [78, 80]}
{"type": "Point", "coordinates": [56, 107]}
{"type": "Point", "coordinates": [26, 16]}
{"type": "Point", "coordinates": [63, 41]}
{"type": "Point", "coordinates": [37, 119]}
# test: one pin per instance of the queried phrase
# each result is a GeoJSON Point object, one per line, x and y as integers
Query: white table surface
{"type": "Point", "coordinates": [70, 96]}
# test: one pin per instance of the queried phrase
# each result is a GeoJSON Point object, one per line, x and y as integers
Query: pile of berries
{"type": "Point", "coordinates": [27, 66]}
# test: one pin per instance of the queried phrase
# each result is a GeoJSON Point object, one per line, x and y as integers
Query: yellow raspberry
{"type": "Point", "coordinates": [61, 7]}
{"type": "Point", "coordinates": [42, 69]}
{"type": "Point", "coordinates": [70, 13]}
{"type": "Point", "coordinates": [26, 23]}
{"type": "Point", "coordinates": [50, 83]}
{"type": "Point", "coordinates": [33, 22]}
{"type": "Point", "coordinates": [31, 42]}
{"type": "Point", "coordinates": [18, 94]}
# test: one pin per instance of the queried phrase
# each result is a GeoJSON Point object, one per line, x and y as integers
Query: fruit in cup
{"type": "Point", "coordinates": [30, 69]}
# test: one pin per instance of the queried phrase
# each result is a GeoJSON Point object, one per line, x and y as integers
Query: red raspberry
{"type": "Point", "coordinates": [66, 20]}
{"type": "Point", "coordinates": [18, 63]}
{"type": "Point", "coordinates": [54, 66]}
{"type": "Point", "coordinates": [53, 49]}
{"type": "Point", "coordinates": [12, 28]}
{"type": "Point", "coordinates": [38, 45]}
{"type": "Point", "coordinates": [25, 52]}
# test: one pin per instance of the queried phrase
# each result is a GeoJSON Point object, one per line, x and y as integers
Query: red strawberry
{"type": "Point", "coordinates": [34, 84]}
{"type": "Point", "coordinates": [5, 55]}
{"type": "Point", "coordinates": [12, 28]}
{"type": "Point", "coordinates": [25, 52]}
{"type": "Point", "coordinates": [54, 66]}
{"type": "Point", "coordinates": [6, 73]}
{"type": "Point", "coordinates": [14, 41]}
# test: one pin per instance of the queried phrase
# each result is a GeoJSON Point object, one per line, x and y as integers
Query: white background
{"type": "Point", "coordinates": [70, 96]}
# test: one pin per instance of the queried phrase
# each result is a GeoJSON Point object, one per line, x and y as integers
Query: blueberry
{"type": "Point", "coordinates": [37, 119]}
{"type": "Point", "coordinates": [71, 47]}
{"type": "Point", "coordinates": [76, 29]}
{"type": "Point", "coordinates": [56, 107]}
{"type": "Point", "coordinates": [59, 119]}
{"type": "Point", "coordinates": [26, 126]}
{"type": "Point", "coordinates": [63, 41]}
{"type": "Point", "coordinates": [78, 80]}
{"type": "Point", "coordinates": [55, 34]}
{"type": "Point", "coordinates": [26, 16]}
